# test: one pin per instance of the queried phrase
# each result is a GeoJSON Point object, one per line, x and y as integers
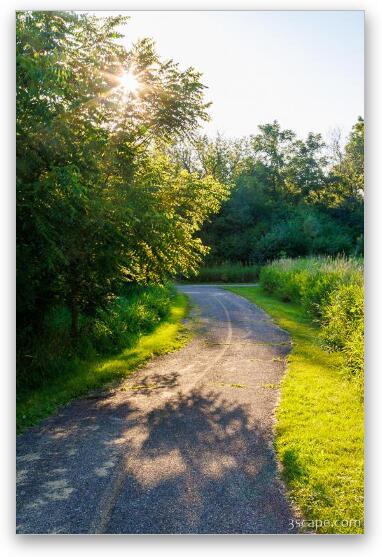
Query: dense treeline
{"type": "Point", "coordinates": [99, 202]}
{"type": "Point", "coordinates": [288, 197]}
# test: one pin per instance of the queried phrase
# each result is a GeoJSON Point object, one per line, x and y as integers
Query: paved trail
{"type": "Point", "coordinates": [184, 446]}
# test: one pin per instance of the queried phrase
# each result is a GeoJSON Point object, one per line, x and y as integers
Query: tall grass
{"type": "Point", "coordinates": [226, 272]}
{"type": "Point", "coordinates": [331, 291]}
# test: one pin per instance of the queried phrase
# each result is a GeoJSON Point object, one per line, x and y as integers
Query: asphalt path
{"type": "Point", "coordinates": [184, 446]}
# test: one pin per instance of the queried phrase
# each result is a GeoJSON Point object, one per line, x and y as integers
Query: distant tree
{"type": "Point", "coordinates": [351, 167]}
{"type": "Point", "coordinates": [272, 147]}
{"type": "Point", "coordinates": [222, 158]}
{"type": "Point", "coordinates": [288, 197]}
{"type": "Point", "coordinates": [304, 171]}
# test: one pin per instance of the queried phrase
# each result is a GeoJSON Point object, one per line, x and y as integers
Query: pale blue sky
{"type": "Point", "coordinates": [303, 68]}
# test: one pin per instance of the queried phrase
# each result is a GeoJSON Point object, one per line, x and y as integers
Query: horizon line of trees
{"type": "Point", "coordinates": [288, 197]}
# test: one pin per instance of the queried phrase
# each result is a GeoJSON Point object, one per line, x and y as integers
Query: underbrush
{"type": "Point", "coordinates": [226, 272]}
{"type": "Point", "coordinates": [137, 311]}
{"type": "Point", "coordinates": [51, 351]}
{"type": "Point", "coordinates": [96, 370]}
{"type": "Point", "coordinates": [331, 291]}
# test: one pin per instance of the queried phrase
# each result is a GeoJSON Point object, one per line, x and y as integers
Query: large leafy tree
{"type": "Point", "coordinates": [304, 171]}
{"type": "Point", "coordinates": [97, 202]}
{"type": "Point", "coordinates": [271, 147]}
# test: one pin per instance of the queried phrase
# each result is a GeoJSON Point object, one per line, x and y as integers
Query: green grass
{"type": "Point", "coordinates": [331, 291]}
{"type": "Point", "coordinates": [169, 335]}
{"type": "Point", "coordinates": [319, 425]}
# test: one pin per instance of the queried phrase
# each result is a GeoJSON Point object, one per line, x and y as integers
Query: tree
{"type": "Point", "coordinates": [351, 168]}
{"type": "Point", "coordinates": [288, 196]}
{"type": "Point", "coordinates": [95, 197]}
{"type": "Point", "coordinates": [304, 171]}
{"type": "Point", "coordinates": [271, 147]}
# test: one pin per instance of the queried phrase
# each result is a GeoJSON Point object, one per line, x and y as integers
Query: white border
{"type": "Point", "coordinates": [175, 545]}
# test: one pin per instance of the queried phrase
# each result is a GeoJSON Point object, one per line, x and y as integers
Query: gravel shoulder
{"type": "Point", "coordinates": [183, 446]}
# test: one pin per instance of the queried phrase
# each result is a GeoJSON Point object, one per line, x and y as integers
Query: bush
{"type": "Point", "coordinates": [310, 281]}
{"type": "Point", "coordinates": [343, 325]}
{"type": "Point", "coordinates": [331, 291]}
{"type": "Point", "coordinates": [284, 239]}
{"type": "Point", "coordinates": [128, 316]}
{"type": "Point", "coordinates": [302, 232]}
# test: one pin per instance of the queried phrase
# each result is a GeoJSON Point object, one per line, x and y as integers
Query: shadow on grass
{"type": "Point", "coordinates": [292, 468]}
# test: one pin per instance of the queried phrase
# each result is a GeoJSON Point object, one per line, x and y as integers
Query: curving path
{"type": "Point", "coordinates": [183, 446]}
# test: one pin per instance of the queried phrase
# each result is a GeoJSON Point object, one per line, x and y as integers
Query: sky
{"type": "Point", "coordinates": [302, 68]}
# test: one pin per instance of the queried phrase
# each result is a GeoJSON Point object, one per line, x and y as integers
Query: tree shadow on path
{"type": "Point", "coordinates": [199, 464]}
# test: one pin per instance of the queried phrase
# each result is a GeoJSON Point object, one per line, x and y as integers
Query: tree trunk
{"type": "Point", "coordinates": [74, 327]}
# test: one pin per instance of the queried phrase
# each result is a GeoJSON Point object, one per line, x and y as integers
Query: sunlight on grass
{"type": "Point", "coordinates": [170, 335]}
{"type": "Point", "coordinates": [319, 429]}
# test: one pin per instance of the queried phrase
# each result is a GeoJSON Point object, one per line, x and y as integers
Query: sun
{"type": "Point", "coordinates": [129, 83]}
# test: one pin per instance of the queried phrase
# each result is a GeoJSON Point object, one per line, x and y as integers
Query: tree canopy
{"type": "Point", "coordinates": [116, 183]}
{"type": "Point", "coordinates": [288, 196]}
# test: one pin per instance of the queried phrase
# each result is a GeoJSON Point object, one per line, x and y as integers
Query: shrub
{"type": "Point", "coordinates": [284, 239]}
{"type": "Point", "coordinates": [342, 313]}
{"type": "Point", "coordinates": [128, 316]}
{"type": "Point", "coordinates": [309, 281]}
{"type": "Point", "coordinates": [301, 232]}
{"type": "Point", "coordinates": [343, 325]}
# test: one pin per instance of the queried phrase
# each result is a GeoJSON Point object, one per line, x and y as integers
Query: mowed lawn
{"type": "Point", "coordinates": [319, 426]}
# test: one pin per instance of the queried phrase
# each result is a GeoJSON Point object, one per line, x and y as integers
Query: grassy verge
{"type": "Point", "coordinates": [319, 425]}
{"type": "Point", "coordinates": [331, 291]}
{"type": "Point", "coordinates": [169, 335]}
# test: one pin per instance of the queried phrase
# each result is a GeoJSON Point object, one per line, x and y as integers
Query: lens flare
{"type": "Point", "coordinates": [129, 83]}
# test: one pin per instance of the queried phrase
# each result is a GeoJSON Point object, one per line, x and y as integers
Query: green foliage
{"type": "Point", "coordinates": [87, 374]}
{"type": "Point", "coordinates": [331, 291]}
{"type": "Point", "coordinates": [99, 202]}
{"type": "Point", "coordinates": [348, 172]}
{"type": "Point", "coordinates": [54, 352]}
{"type": "Point", "coordinates": [319, 424]}
{"type": "Point", "coordinates": [125, 319]}
{"type": "Point", "coordinates": [219, 157]}
{"type": "Point", "coordinates": [227, 272]}
{"type": "Point", "coordinates": [310, 281]}
{"type": "Point", "coordinates": [289, 197]}
{"type": "Point", "coordinates": [343, 325]}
